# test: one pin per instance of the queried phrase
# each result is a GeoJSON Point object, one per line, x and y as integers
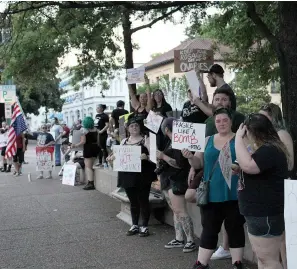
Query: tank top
{"type": "Point", "coordinates": [218, 189]}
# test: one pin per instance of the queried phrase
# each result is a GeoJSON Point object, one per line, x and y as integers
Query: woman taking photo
{"type": "Point", "coordinates": [223, 203]}
{"type": "Point", "coordinates": [261, 189]}
{"type": "Point", "coordinates": [90, 150]}
{"type": "Point", "coordinates": [173, 169]}
{"type": "Point", "coordinates": [137, 185]}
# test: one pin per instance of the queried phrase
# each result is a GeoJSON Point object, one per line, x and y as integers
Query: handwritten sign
{"type": "Point", "coordinates": [76, 135]}
{"type": "Point", "coordinates": [45, 158]}
{"type": "Point", "coordinates": [187, 135]}
{"type": "Point", "coordinates": [153, 121]}
{"type": "Point", "coordinates": [153, 148]}
{"type": "Point", "coordinates": [135, 75]}
{"type": "Point", "coordinates": [290, 215]}
{"type": "Point", "coordinates": [127, 158]}
{"type": "Point", "coordinates": [69, 172]}
{"type": "Point", "coordinates": [3, 140]}
{"type": "Point", "coordinates": [193, 83]}
{"type": "Point", "coordinates": [188, 59]}
{"type": "Point", "coordinates": [225, 161]}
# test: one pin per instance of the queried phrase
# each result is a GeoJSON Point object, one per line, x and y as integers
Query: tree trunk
{"type": "Point", "coordinates": [288, 65]}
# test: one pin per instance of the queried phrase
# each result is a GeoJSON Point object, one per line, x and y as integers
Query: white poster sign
{"type": "Point", "coordinates": [44, 158]}
{"type": "Point", "coordinates": [153, 121]}
{"type": "Point", "coordinates": [290, 215]}
{"type": "Point", "coordinates": [7, 94]}
{"type": "Point", "coordinates": [193, 83]}
{"type": "Point", "coordinates": [225, 161]}
{"type": "Point", "coordinates": [3, 140]}
{"type": "Point", "coordinates": [76, 135]}
{"type": "Point", "coordinates": [187, 135]}
{"type": "Point", "coordinates": [153, 148]}
{"type": "Point", "coordinates": [127, 158]}
{"type": "Point", "coordinates": [135, 75]}
{"type": "Point", "coordinates": [69, 174]}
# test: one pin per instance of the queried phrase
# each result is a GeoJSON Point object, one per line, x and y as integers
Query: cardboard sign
{"type": "Point", "coordinates": [135, 75]}
{"type": "Point", "coordinates": [153, 148]}
{"type": "Point", "coordinates": [193, 83]}
{"type": "Point", "coordinates": [127, 158]}
{"type": "Point", "coordinates": [3, 140]}
{"type": "Point", "coordinates": [76, 135]}
{"type": "Point", "coordinates": [45, 158]}
{"type": "Point", "coordinates": [69, 172]}
{"type": "Point", "coordinates": [225, 161]}
{"type": "Point", "coordinates": [153, 121]}
{"type": "Point", "coordinates": [290, 215]}
{"type": "Point", "coordinates": [188, 59]}
{"type": "Point", "coordinates": [187, 135]}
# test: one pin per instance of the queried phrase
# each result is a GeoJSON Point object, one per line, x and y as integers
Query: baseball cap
{"type": "Point", "coordinates": [217, 69]}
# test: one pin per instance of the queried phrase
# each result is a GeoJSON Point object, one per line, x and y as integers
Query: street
{"type": "Point", "coordinates": [47, 225]}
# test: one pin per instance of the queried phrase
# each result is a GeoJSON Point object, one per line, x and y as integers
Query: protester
{"type": "Point", "coordinates": [137, 185]}
{"type": "Point", "coordinates": [26, 144]}
{"type": "Point", "coordinates": [18, 159]}
{"type": "Point", "coordinates": [7, 162]}
{"type": "Point", "coordinates": [58, 130]}
{"type": "Point", "coordinates": [101, 123]}
{"type": "Point", "coordinates": [115, 115]}
{"type": "Point", "coordinates": [89, 140]}
{"type": "Point", "coordinates": [44, 139]}
{"type": "Point", "coordinates": [261, 189]}
{"type": "Point", "coordinates": [223, 204]}
{"type": "Point", "coordinates": [65, 137]}
{"type": "Point", "coordinates": [173, 169]}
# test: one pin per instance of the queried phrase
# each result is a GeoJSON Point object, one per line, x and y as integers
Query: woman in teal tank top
{"type": "Point", "coordinates": [223, 203]}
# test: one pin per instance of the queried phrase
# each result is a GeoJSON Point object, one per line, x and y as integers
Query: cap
{"type": "Point", "coordinates": [217, 69]}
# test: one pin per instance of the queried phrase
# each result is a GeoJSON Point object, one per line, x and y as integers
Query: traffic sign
{"type": "Point", "coordinates": [7, 93]}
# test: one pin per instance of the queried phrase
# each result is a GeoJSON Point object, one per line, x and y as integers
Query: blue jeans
{"type": "Point", "coordinates": [58, 154]}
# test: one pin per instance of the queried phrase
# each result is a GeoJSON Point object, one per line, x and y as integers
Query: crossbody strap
{"type": "Point", "coordinates": [213, 168]}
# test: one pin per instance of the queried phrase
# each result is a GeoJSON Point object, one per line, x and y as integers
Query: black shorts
{"type": "Point", "coordinates": [19, 157]}
{"type": "Point", "coordinates": [3, 151]}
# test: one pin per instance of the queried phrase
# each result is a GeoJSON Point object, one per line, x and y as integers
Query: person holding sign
{"type": "Point", "coordinates": [261, 192]}
{"type": "Point", "coordinates": [137, 185]}
{"type": "Point", "coordinates": [89, 140]}
{"type": "Point", "coordinates": [222, 203]}
{"type": "Point", "coordinates": [6, 168]}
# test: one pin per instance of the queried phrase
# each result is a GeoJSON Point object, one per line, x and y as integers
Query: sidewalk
{"type": "Point", "coordinates": [44, 224]}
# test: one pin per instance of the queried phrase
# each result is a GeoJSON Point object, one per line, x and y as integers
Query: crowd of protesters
{"type": "Point", "coordinates": [262, 156]}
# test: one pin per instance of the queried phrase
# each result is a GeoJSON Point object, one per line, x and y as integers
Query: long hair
{"type": "Point", "coordinates": [264, 133]}
{"type": "Point", "coordinates": [276, 115]}
{"type": "Point", "coordinates": [163, 98]}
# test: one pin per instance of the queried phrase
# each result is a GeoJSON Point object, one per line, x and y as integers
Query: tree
{"type": "Point", "coordinates": [249, 96]}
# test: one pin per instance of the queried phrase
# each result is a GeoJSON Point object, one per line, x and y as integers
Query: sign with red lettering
{"type": "Point", "coordinates": [127, 158]}
{"type": "Point", "coordinates": [187, 135]}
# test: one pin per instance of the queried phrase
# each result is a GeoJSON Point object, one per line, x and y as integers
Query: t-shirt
{"type": "Point", "coordinates": [116, 113]}
{"type": "Point", "coordinates": [192, 113]}
{"type": "Point", "coordinates": [262, 194]}
{"type": "Point", "coordinates": [237, 119]}
{"type": "Point", "coordinates": [163, 109]}
{"type": "Point", "coordinates": [57, 129]}
{"type": "Point", "coordinates": [44, 138]}
{"type": "Point", "coordinates": [101, 120]}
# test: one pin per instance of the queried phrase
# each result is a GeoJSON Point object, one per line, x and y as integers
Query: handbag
{"type": "Point", "coordinates": [202, 192]}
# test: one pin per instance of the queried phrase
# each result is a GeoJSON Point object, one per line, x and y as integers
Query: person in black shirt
{"type": "Point", "coordinates": [115, 115]}
{"type": "Point", "coordinates": [101, 123]}
{"type": "Point", "coordinates": [261, 189]}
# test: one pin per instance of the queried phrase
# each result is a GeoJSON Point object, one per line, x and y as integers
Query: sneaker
{"type": "Point", "coordinates": [14, 173]}
{"type": "Point", "coordinates": [98, 164]}
{"type": "Point", "coordinates": [221, 254]}
{"type": "Point", "coordinates": [18, 174]}
{"type": "Point", "coordinates": [8, 169]}
{"type": "Point", "coordinates": [237, 265]}
{"type": "Point", "coordinates": [89, 186]}
{"type": "Point", "coordinates": [175, 244]}
{"type": "Point", "coordinates": [198, 265]}
{"type": "Point", "coordinates": [49, 177]}
{"type": "Point", "coordinates": [40, 177]}
{"type": "Point", "coordinates": [133, 230]}
{"type": "Point", "coordinates": [189, 247]}
{"type": "Point", "coordinates": [144, 231]}
{"type": "Point", "coordinates": [60, 174]}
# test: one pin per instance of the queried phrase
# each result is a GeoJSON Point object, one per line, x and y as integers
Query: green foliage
{"type": "Point", "coordinates": [154, 55]}
{"type": "Point", "coordinates": [250, 96]}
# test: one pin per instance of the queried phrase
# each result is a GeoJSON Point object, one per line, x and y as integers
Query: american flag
{"type": "Point", "coordinates": [17, 126]}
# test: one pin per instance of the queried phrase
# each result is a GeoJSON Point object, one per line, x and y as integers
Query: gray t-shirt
{"type": "Point", "coordinates": [57, 129]}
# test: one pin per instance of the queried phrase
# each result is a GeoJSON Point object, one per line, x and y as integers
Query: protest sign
{"type": "Point", "coordinates": [45, 158]}
{"type": "Point", "coordinates": [188, 59]}
{"type": "Point", "coordinates": [187, 135]}
{"type": "Point", "coordinates": [69, 171]}
{"type": "Point", "coordinates": [153, 121]}
{"type": "Point", "coordinates": [290, 215]}
{"type": "Point", "coordinates": [127, 158]}
{"type": "Point", "coordinates": [153, 148]}
{"type": "Point", "coordinates": [193, 83]}
{"type": "Point", "coordinates": [225, 161]}
{"type": "Point", "coordinates": [135, 75]}
{"type": "Point", "coordinates": [3, 140]}
{"type": "Point", "coordinates": [76, 135]}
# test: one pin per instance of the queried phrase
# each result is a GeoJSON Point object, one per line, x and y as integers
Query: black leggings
{"type": "Point", "coordinates": [103, 150]}
{"type": "Point", "coordinates": [139, 200]}
{"type": "Point", "coordinates": [212, 217]}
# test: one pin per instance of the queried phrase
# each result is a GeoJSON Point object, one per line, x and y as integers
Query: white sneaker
{"type": "Point", "coordinates": [221, 254]}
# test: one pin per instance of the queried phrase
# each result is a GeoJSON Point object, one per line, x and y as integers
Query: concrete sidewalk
{"type": "Point", "coordinates": [44, 224]}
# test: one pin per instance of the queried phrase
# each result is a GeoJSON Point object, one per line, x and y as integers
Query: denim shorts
{"type": "Point", "coordinates": [269, 226]}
